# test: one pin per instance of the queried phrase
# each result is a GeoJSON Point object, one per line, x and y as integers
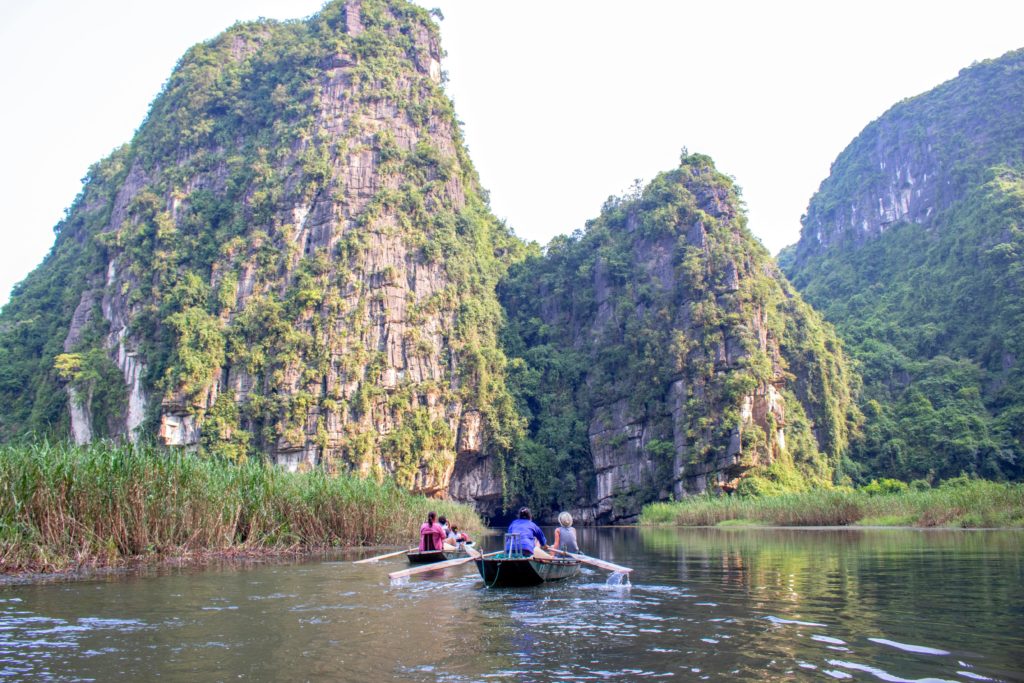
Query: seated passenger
{"type": "Point", "coordinates": [565, 535]}
{"type": "Point", "coordinates": [449, 537]}
{"type": "Point", "coordinates": [431, 534]}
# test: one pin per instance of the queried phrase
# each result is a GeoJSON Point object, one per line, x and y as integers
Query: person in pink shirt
{"type": "Point", "coordinates": [431, 534]}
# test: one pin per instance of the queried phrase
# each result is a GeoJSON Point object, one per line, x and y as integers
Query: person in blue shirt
{"type": "Point", "coordinates": [531, 539]}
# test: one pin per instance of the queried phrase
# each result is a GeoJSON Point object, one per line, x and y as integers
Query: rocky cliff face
{"type": "Point", "coordinates": [913, 248]}
{"type": "Point", "coordinates": [662, 353]}
{"type": "Point", "coordinates": [292, 257]}
{"type": "Point", "coordinates": [920, 157]}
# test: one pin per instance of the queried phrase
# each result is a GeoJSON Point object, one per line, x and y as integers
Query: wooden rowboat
{"type": "Point", "coordinates": [501, 571]}
{"type": "Point", "coordinates": [428, 556]}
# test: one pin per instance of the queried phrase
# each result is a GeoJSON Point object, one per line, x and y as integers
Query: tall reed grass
{"type": "Point", "coordinates": [966, 504]}
{"type": "Point", "coordinates": [67, 506]}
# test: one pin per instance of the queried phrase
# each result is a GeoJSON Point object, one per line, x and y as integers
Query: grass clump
{"type": "Point", "coordinates": [734, 523]}
{"type": "Point", "coordinates": [959, 502]}
{"type": "Point", "coordinates": [65, 506]}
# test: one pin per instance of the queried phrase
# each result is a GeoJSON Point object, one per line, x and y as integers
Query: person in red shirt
{"type": "Point", "coordinates": [431, 534]}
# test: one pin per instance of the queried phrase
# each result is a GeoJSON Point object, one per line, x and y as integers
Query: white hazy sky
{"type": "Point", "coordinates": [564, 103]}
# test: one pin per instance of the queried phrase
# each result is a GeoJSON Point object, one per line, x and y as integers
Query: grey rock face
{"type": "Point", "coordinates": [919, 157]}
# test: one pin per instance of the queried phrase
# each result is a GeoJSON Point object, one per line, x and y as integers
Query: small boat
{"type": "Point", "coordinates": [504, 571]}
{"type": "Point", "coordinates": [427, 556]}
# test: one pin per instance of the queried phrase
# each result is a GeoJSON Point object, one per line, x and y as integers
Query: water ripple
{"type": "Point", "coordinates": [919, 649]}
{"type": "Point", "coordinates": [780, 620]}
{"type": "Point", "coordinates": [881, 674]}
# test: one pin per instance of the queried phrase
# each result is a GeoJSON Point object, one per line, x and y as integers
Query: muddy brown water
{"type": "Point", "coordinates": [702, 604]}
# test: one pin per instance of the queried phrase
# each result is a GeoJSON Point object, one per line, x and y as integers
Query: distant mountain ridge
{"type": "Point", "coordinates": [913, 247]}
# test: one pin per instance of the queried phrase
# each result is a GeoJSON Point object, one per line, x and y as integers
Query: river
{"type": "Point", "coordinates": [702, 604]}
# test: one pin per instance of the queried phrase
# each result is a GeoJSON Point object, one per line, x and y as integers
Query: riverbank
{"type": "Point", "coordinates": [960, 503]}
{"type": "Point", "coordinates": [65, 507]}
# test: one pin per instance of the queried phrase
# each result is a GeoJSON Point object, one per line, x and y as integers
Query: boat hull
{"type": "Point", "coordinates": [430, 556]}
{"type": "Point", "coordinates": [515, 572]}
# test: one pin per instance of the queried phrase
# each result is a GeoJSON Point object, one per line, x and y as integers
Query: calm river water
{"type": "Point", "coordinates": [704, 604]}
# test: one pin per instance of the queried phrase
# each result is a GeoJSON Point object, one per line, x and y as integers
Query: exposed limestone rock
{"type": "Point", "coordinates": [475, 479]}
{"type": "Point", "coordinates": [617, 440]}
{"type": "Point", "coordinates": [470, 433]}
{"type": "Point", "coordinates": [81, 418]}
{"type": "Point", "coordinates": [915, 160]}
{"type": "Point", "coordinates": [79, 320]}
{"type": "Point", "coordinates": [178, 430]}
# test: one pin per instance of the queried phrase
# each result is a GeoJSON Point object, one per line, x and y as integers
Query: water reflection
{"type": "Point", "coordinates": [702, 604]}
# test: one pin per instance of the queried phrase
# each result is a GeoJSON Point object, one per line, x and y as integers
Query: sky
{"type": "Point", "coordinates": [563, 103]}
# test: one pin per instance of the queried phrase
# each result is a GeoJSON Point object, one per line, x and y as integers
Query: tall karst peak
{"type": "Point", "coordinates": [660, 352]}
{"type": "Point", "coordinates": [292, 257]}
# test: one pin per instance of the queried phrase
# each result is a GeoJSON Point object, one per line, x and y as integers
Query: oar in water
{"type": "Point", "coordinates": [381, 557]}
{"type": "Point", "coordinates": [597, 563]}
{"type": "Point", "coordinates": [437, 565]}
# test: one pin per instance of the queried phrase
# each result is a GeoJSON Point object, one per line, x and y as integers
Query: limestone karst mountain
{"type": "Point", "coordinates": [913, 247]}
{"type": "Point", "coordinates": [294, 259]}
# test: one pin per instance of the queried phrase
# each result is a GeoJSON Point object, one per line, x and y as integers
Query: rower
{"type": "Point", "coordinates": [529, 539]}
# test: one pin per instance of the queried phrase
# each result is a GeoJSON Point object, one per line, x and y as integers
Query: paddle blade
{"type": "Point", "coordinates": [600, 563]}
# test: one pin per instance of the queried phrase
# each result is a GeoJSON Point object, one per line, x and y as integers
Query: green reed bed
{"type": "Point", "coordinates": [959, 503]}
{"type": "Point", "coordinates": [66, 506]}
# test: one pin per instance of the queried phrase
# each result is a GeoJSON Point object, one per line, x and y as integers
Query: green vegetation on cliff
{"type": "Point", "coordinates": [35, 322]}
{"type": "Point", "coordinates": [936, 318]}
{"type": "Point", "coordinates": [930, 299]}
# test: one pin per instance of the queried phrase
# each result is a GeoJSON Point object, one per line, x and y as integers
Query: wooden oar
{"type": "Point", "coordinates": [597, 563]}
{"type": "Point", "coordinates": [381, 557]}
{"type": "Point", "coordinates": [436, 565]}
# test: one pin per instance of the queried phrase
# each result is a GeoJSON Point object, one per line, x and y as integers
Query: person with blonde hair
{"type": "Point", "coordinates": [565, 535]}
